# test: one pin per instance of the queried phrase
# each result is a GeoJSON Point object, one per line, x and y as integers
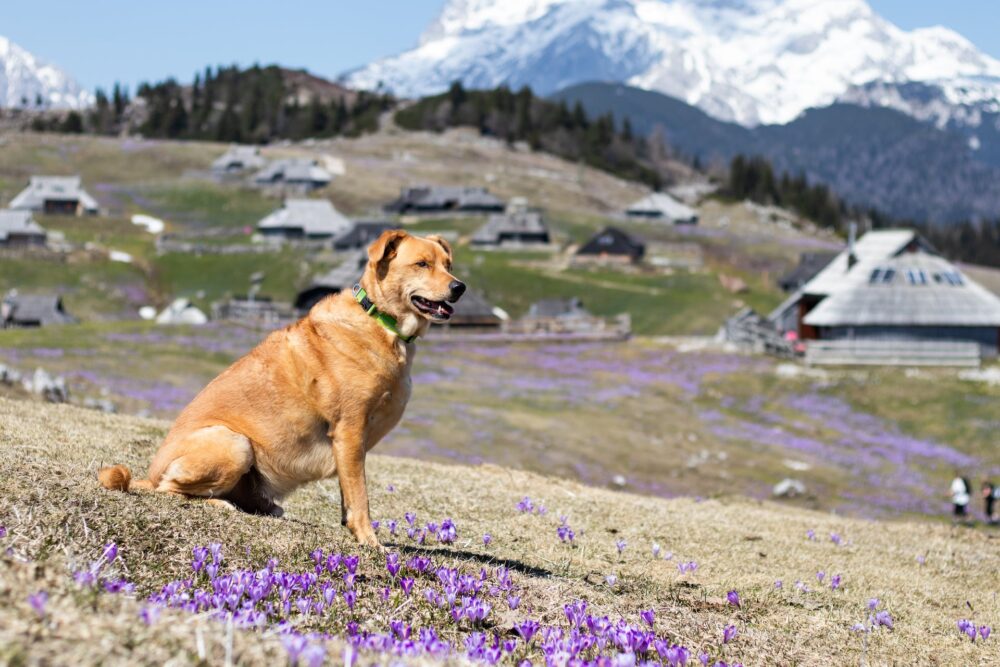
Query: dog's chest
{"type": "Point", "coordinates": [388, 409]}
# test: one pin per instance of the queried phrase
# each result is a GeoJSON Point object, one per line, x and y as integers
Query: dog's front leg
{"type": "Point", "coordinates": [349, 455]}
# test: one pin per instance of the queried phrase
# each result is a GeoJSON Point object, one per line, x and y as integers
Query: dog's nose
{"type": "Point", "coordinates": [457, 288]}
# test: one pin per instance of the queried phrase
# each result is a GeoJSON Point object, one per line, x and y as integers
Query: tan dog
{"type": "Point", "coordinates": [312, 399]}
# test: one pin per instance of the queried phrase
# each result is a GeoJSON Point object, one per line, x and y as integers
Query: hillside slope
{"type": "Point", "coordinates": [58, 522]}
{"type": "Point", "coordinates": [870, 156]}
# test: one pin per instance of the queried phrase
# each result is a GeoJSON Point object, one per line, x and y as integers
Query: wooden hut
{"type": "Point", "coordinates": [55, 194]}
{"type": "Point", "coordinates": [444, 198]}
{"type": "Point", "coordinates": [892, 292]}
{"type": "Point", "coordinates": [517, 227]}
{"type": "Point", "coordinates": [342, 277]}
{"type": "Point", "coordinates": [33, 310]}
{"type": "Point", "coordinates": [611, 245]}
{"type": "Point", "coordinates": [304, 219]}
{"type": "Point", "coordinates": [662, 207]}
{"type": "Point", "coordinates": [18, 229]}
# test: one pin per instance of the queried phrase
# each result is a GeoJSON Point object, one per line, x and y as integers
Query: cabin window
{"type": "Point", "coordinates": [916, 276]}
{"type": "Point", "coordinates": [875, 277]}
{"type": "Point", "coordinates": [953, 278]}
{"type": "Point", "coordinates": [888, 275]}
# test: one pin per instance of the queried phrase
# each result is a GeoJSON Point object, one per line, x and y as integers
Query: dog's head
{"type": "Point", "coordinates": [410, 278]}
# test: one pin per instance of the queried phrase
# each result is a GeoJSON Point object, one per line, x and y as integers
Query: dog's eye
{"type": "Point", "coordinates": [422, 265]}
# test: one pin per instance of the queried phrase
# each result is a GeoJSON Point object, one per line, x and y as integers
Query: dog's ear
{"type": "Point", "coordinates": [384, 248]}
{"type": "Point", "coordinates": [441, 242]}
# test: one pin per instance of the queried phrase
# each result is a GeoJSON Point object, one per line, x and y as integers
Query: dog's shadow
{"type": "Point", "coordinates": [484, 559]}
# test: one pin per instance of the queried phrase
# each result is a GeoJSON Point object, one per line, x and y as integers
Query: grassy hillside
{"type": "Point", "coordinates": [55, 606]}
{"type": "Point", "coordinates": [669, 419]}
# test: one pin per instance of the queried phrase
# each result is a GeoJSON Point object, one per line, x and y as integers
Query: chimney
{"type": "Point", "coordinates": [852, 233]}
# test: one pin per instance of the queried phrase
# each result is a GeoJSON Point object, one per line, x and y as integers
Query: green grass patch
{"type": "Point", "coordinates": [206, 278]}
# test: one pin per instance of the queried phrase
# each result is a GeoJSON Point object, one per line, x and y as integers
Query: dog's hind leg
{"type": "Point", "coordinates": [207, 463]}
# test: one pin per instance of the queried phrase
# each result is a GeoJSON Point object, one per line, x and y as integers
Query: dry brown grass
{"type": "Point", "coordinates": [57, 518]}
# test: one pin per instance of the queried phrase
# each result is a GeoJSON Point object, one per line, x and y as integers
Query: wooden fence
{"type": "Point", "coordinates": [892, 353]}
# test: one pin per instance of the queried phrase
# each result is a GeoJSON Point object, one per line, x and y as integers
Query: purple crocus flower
{"type": "Point", "coordinates": [392, 564]}
{"type": "Point", "coordinates": [314, 655]}
{"type": "Point", "coordinates": [820, 576]}
{"type": "Point", "coordinates": [883, 618]}
{"type": "Point", "coordinates": [984, 631]}
{"type": "Point", "coordinates": [150, 614]}
{"type": "Point", "coordinates": [649, 616]}
{"type": "Point", "coordinates": [487, 538]}
{"type": "Point", "coordinates": [411, 518]}
{"type": "Point", "coordinates": [447, 533]}
{"type": "Point", "coordinates": [525, 505]}
{"type": "Point", "coordinates": [835, 538]}
{"type": "Point", "coordinates": [811, 534]}
{"type": "Point", "coordinates": [835, 582]}
{"type": "Point", "coordinates": [656, 550]}
{"type": "Point", "coordinates": [873, 604]}
{"type": "Point", "coordinates": [350, 597]}
{"type": "Point", "coordinates": [390, 489]}
{"type": "Point", "coordinates": [677, 656]}
{"type": "Point", "coordinates": [3, 532]}
{"type": "Point", "coordinates": [703, 659]}
{"type": "Point", "coordinates": [527, 629]}
{"type": "Point", "coordinates": [778, 584]}
{"type": "Point", "coordinates": [37, 602]}
{"type": "Point", "coordinates": [729, 634]}
{"type": "Point", "coordinates": [513, 601]}
{"type": "Point", "coordinates": [734, 598]}
{"type": "Point", "coordinates": [621, 545]}
{"type": "Point", "coordinates": [406, 583]}
{"type": "Point", "coordinates": [611, 580]}
{"type": "Point", "coordinates": [110, 552]}
{"type": "Point", "coordinates": [294, 645]}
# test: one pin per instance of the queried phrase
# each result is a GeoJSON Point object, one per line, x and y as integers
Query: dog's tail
{"type": "Point", "coordinates": [119, 478]}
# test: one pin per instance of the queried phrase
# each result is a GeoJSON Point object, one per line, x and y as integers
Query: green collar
{"type": "Point", "coordinates": [387, 321]}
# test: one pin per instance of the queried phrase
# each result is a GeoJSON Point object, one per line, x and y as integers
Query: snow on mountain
{"type": "Point", "coordinates": [748, 61]}
{"type": "Point", "coordinates": [23, 78]}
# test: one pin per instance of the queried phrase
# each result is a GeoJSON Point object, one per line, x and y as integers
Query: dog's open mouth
{"type": "Point", "coordinates": [438, 310]}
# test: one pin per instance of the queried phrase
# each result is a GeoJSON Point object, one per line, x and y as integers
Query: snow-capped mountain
{"type": "Point", "coordinates": [749, 61]}
{"type": "Point", "coordinates": [24, 78]}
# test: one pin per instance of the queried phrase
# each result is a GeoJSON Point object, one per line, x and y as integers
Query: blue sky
{"type": "Point", "coordinates": [100, 41]}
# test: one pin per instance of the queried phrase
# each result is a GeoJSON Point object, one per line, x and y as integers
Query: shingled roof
{"type": "Point", "coordinates": [517, 226]}
{"type": "Point", "coordinates": [613, 242]}
{"type": "Point", "coordinates": [915, 288]}
{"type": "Point", "coordinates": [430, 198]}
{"type": "Point", "coordinates": [661, 206]}
{"type": "Point", "coordinates": [62, 189]}
{"type": "Point", "coordinates": [293, 171]}
{"type": "Point", "coordinates": [19, 224]}
{"type": "Point", "coordinates": [238, 158]}
{"type": "Point", "coordinates": [311, 218]}
{"type": "Point", "coordinates": [23, 310]}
